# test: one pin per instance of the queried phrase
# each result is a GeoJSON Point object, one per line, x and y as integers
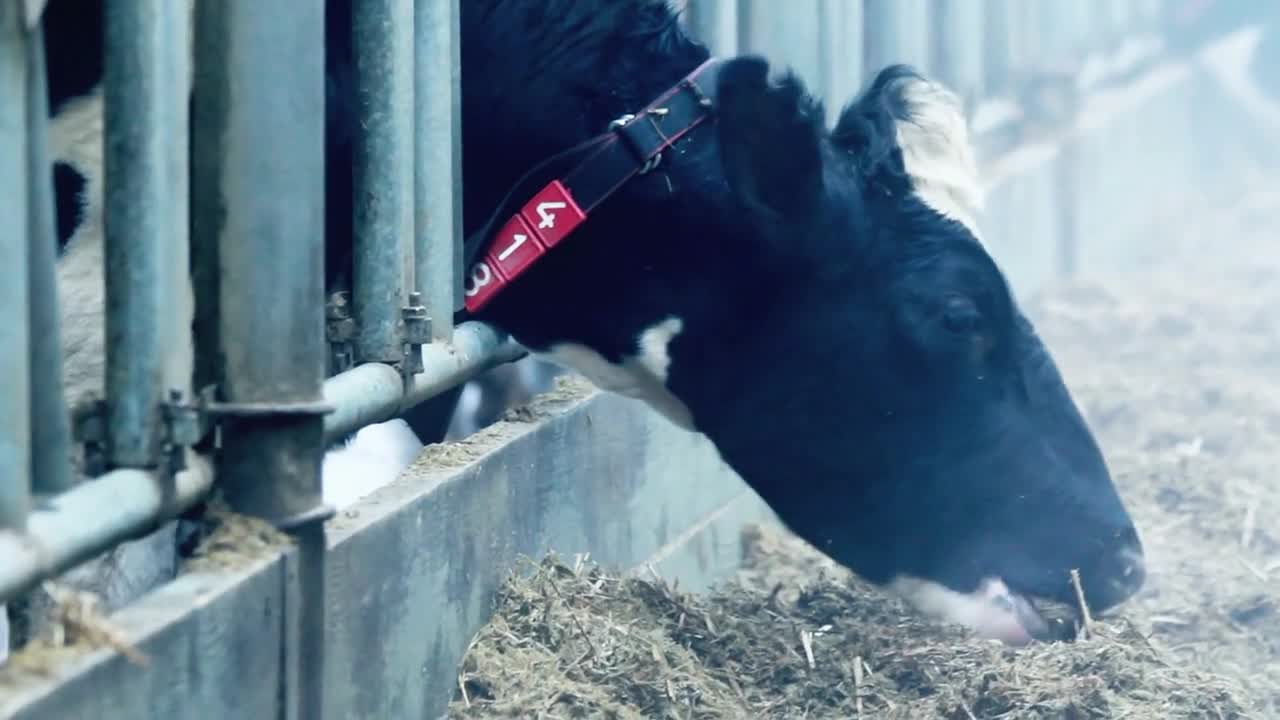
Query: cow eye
{"type": "Point", "coordinates": [960, 315]}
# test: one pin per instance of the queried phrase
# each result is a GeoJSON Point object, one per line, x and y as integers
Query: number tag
{"type": "Point", "coordinates": [553, 213]}
{"type": "Point", "coordinates": [481, 284]}
{"type": "Point", "coordinates": [515, 248]}
{"type": "Point", "coordinates": [543, 222]}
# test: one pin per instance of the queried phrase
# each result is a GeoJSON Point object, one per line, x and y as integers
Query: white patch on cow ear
{"type": "Point", "coordinates": [937, 152]}
{"type": "Point", "coordinates": [992, 610]}
{"type": "Point", "coordinates": [643, 376]}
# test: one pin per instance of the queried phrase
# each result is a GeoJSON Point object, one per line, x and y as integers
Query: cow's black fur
{"type": "Point", "coordinates": [854, 354]}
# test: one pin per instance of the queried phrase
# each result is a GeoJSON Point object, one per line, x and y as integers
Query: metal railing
{"type": "Point", "coordinates": [979, 48]}
{"type": "Point", "coordinates": [247, 217]}
{"type": "Point", "coordinates": [252, 233]}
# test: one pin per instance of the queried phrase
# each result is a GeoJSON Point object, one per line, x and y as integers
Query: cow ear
{"type": "Point", "coordinates": [770, 139]}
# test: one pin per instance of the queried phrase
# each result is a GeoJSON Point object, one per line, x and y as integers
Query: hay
{"type": "Point", "coordinates": [579, 642]}
{"type": "Point", "coordinates": [1179, 374]}
{"type": "Point", "coordinates": [74, 627]}
{"type": "Point", "coordinates": [227, 540]}
{"type": "Point", "coordinates": [1178, 371]}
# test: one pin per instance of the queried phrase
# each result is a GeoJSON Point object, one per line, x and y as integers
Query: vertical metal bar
{"type": "Point", "coordinates": [1066, 207]}
{"type": "Point", "coordinates": [945, 37]}
{"type": "Point", "coordinates": [258, 150]}
{"type": "Point", "coordinates": [1123, 13]}
{"type": "Point", "coordinates": [136, 116]}
{"type": "Point", "coordinates": [208, 123]}
{"type": "Point", "coordinates": [179, 351]}
{"type": "Point", "coordinates": [749, 22]}
{"type": "Point", "coordinates": [883, 36]}
{"type": "Point", "coordinates": [996, 47]}
{"type": "Point", "coordinates": [1026, 33]}
{"type": "Point", "coordinates": [849, 49]}
{"type": "Point", "coordinates": [384, 59]}
{"type": "Point", "coordinates": [258, 135]}
{"type": "Point", "coordinates": [15, 368]}
{"type": "Point", "coordinates": [1108, 31]}
{"type": "Point", "coordinates": [33, 10]}
{"type": "Point", "coordinates": [50, 423]}
{"type": "Point", "coordinates": [715, 23]}
{"type": "Point", "coordinates": [828, 56]}
{"type": "Point", "coordinates": [438, 157]}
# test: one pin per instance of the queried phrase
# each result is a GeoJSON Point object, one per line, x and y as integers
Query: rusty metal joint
{"type": "Point", "coordinates": [416, 329]}
{"type": "Point", "coordinates": [183, 425]}
{"type": "Point", "coordinates": [339, 331]}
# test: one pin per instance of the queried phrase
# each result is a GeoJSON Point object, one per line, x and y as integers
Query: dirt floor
{"type": "Point", "coordinates": [1178, 371]}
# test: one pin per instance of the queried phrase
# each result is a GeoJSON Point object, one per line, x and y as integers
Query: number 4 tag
{"type": "Point", "coordinates": [554, 213]}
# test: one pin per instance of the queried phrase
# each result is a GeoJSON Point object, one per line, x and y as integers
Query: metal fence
{"type": "Point", "coordinates": [244, 210]}
{"type": "Point", "coordinates": [255, 180]}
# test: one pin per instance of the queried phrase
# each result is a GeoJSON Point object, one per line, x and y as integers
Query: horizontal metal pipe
{"type": "Point", "coordinates": [91, 518]}
{"type": "Point", "coordinates": [383, 158]}
{"type": "Point", "coordinates": [50, 422]}
{"type": "Point", "coordinates": [438, 160]}
{"type": "Point", "coordinates": [15, 362]}
{"type": "Point", "coordinates": [374, 392]}
{"type": "Point", "coordinates": [137, 120]}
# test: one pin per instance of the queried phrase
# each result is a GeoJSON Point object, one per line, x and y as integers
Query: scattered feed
{"type": "Point", "coordinates": [1176, 368]}
{"type": "Point", "coordinates": [226, 540]}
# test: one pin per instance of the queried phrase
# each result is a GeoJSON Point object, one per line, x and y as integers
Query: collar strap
{"type": "Point", "coordinates": [632, 146]}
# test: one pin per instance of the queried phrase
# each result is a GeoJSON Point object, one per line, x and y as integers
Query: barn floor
{"type": "Point", "coordinates": [1178, 370]}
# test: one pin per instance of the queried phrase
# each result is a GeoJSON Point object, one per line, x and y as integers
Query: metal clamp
{"type": "Point", "coordinates": [416, 330]}
{"type": "Point", "coordinates": [183, 425]}
{"type": "Point", "coordinates": [339, 329]}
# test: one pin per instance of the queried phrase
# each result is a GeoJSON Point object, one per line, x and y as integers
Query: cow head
{"type": "Point", "coordinates": [819, 303]}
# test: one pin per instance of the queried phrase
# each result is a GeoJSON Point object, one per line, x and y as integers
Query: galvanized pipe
{"type": "Point", "coordinates": [179, 352]}
{"type": "Point", "coordinates": [829, 46]}
{"type": "Point", "coordinates": [716, 24]}
{"type": "Point", "coordinates": [259, 140]}
{"type": "Point", "coordinates": [93, 517]}
{"type": "Point", "coordinates": [848, 51]}
{"type": "Point", "coordinates": [997, 47]}
{"type": "Point", "coordinates": [137, 118]}
{"type": "Point", "coordinates": [882, 35]}
{"type": "Point", "coordinates": [34, 9]}
{"type": "Point", "coordinates": [384, 183]}
{"type": "Point", "coordinates": [749, 24]}
{"type": "Point", "coordinates": [374, 393]}
{"type": "Point", "coordinates": [15, 362]}
{"type": "Point", "coordinates": [946, 35]}
{"type": "Point", "coordinates": [438, 160]}
{"type": "Point", "coordinates": [260, 148]}
{"type": "Point", "coordinates": [50, 422]}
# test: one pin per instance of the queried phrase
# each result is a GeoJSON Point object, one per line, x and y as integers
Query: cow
{"type": "Point", "coordinates": [688, 231]}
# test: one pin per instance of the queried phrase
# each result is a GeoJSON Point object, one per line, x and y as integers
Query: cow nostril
{"type": "Point", "coordinates": [1131, 575]}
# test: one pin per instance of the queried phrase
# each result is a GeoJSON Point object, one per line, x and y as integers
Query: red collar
{"type": "Point", "coordinates": [632, 146]}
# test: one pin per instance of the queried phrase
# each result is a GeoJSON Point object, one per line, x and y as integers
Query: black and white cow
{"type": "Point", "coordinates": [817, 301]}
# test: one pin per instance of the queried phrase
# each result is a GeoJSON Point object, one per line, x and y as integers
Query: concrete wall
{"type": "Point", "coordinates": [412, 568]}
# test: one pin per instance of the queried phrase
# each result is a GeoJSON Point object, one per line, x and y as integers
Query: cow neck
{"type": "Point", "coordinates": [584, 177]}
